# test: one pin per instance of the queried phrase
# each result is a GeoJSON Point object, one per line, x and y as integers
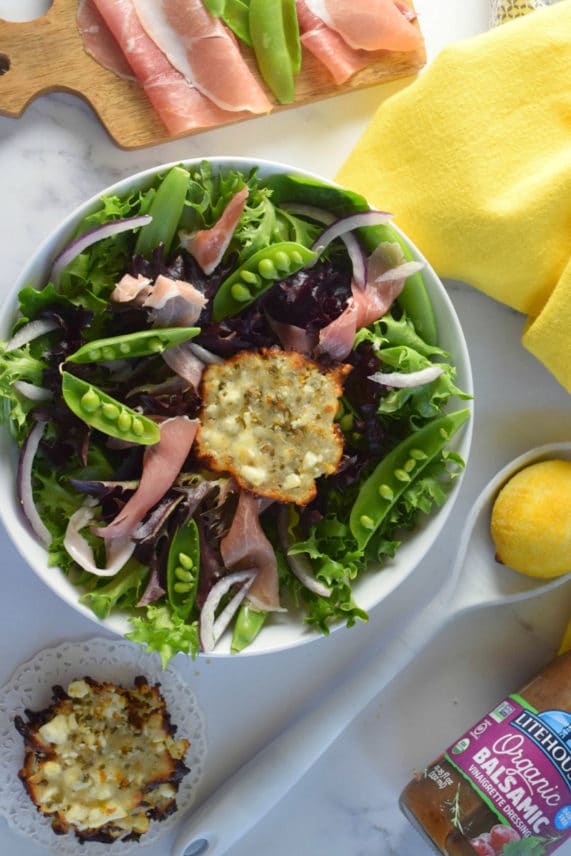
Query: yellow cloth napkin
{"type": "Point", "coordinates": [474, 160]}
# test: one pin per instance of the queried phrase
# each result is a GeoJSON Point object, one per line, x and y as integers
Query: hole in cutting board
{"type": "Point", "coordinates": [4, 64]}
{"type": "Point", "coordinates": [24, 10]}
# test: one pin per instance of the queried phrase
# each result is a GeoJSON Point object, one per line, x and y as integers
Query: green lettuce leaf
{"type": "Point", "coordinates": [120, 592]}
{"type": "Point", "coordinates": [164, 632]}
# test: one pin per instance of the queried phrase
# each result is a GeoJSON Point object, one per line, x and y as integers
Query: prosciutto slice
{"type": "Point", "coordinates": [171, 302]}
{"type": "Point", "coordinates": [99, 42]}
{"type": "Point", "coordinates": [366, 305]}
{"type": "Point", "coordinates": [131, 288]}
{"type": "Point", "coordinates": [328, 47]}
{"type": "Point", "coordinates": [369, 25]}
{"type": "Point", "coordinates": [174, 302]}
{"type": "Point", "coordinates": [184, 362]}
{"type": "Point", "coordinates": [245, 547]}
{"type": "Point", "coordinates": [181, 107]}
{"type": "Point", "coordinates": [205, 51]}
{"type": "Point", "coordinates": [161, 465]}
{"type": "Point", "coordinates": [208, 246]}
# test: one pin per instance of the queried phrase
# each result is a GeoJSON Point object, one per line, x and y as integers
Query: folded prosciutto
{"type": "Point", "coordinates": [205, 51]}
{"type": "Point", "coordinates": [369, 25]}
{"type": "Point", "coordinates": [246, 546]}
{"type": "Point", "coordinates": [181, 106]}
{"type": "Point", "coordinates": [327, 46]}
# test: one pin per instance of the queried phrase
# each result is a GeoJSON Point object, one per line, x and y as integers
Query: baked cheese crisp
{"type": "Point", "coordinates": [268, 418]}
{"type": "Point", "coordinates": [102, 760]}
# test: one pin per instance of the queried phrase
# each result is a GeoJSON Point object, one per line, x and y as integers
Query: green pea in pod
{"type": "Point", "coordinates": [183, 565]}
{"type": "Point", "coordinates": [397, 470]}
{"type": "Point", "coordinates": [106, 414]}
{"type": "Point", "coordinates": [142, 344]}
{"type": "Point", "coordinates": [274, 30]}
{"type": "Point", "coordinates": [257, 274]}
{"type": "Point", "coordinates": [247, 625]}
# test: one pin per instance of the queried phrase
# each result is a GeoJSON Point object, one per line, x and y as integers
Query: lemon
{"type": "Point", "coordinates": [531, 520]}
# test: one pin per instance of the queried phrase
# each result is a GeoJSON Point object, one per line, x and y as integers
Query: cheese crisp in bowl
{"type": "Point", "coordinates": [237, 408]}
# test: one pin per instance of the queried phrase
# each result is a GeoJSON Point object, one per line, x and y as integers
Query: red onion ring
{"type": "Point", "coordinates": [341, 228]}
{"type": "Point", "coordinates": [29, 332]}
{"type": "Point", "coordinates": [118, 550]}
{"type": "Point", "coordinates": [78, 245]}
{"type": "Point", "coordinates": [211, 629]}
{"type": "Point", "coordinates": [403, 380]}
{"type": "Point", "coordinates": [24, 483]}
{"type": "Point", "coordinates": [402, 271]}
{"type": "Point", "coordinates": [31, 391]}
{"type": "Point", "coordinates": [301, 566]}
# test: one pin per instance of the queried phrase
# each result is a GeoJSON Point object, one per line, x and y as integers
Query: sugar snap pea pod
{"type": "Point", "coordinates": [397, 470]}
{"type": "Point", "coordinates": [215, 7]}
{"type": "Point", "coordinates": [414, 297]}
{"type": "Point", "coordinates": [106, 414]}
{"type": "Point", "coordinates": [183, 564]}
{"type": "Point", "coordinates": [166, 210]}
{"type": "Point", "coordinates": [141, 344]}
{"type": "Point", "coordinates": [274, 31]}
{"type": "Point", "coordinates": [248, 623]}
{"type": "Point", "coordinates": [257, 274]}
{"type": "Point", "coordinates": [236, 15]}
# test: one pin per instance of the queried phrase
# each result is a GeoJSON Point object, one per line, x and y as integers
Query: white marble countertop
{"type": "Point", "coordinates": [51, 159]}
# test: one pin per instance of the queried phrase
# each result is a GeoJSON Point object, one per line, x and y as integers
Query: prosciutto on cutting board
{"type": "Point", "coordinates": [328, 47]}
{"type": "Point", "coordinates": [99, 42]}
{"type": "Point", "coordinates": [205, 51]}
{"type": "Point", "coordinates": [369, 25]}
{"type": "Point", "coordinates": [181, 107]}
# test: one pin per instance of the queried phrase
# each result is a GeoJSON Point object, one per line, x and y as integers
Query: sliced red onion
{"type": "Point", "coordinates": [25, 494]}
{"type": "Point", "coordinates": [29, 332]}
{"type": "Point", "coordinates": [31, 391]}
{"type": "Point", "coordinates": [301, 567]}
{"type": "Point", "coordinates": [118, 550]}
{"type": "Point", "coordinates": [349, 224]}
{"type": "Point", "coordinates": [405, 380]}
{"type": "Point", "coordinates": [107, 230]}
{"type": "Point", "coordinates": [400, 272]}
{"type": "Point", "coordinates": [354, 250]}
{"type": "Point", "coordinates": [211, 629]}
{"type": "Point", "coordinates": [300, 209]}
{"type": "Point", "coordinates": [207, 357]}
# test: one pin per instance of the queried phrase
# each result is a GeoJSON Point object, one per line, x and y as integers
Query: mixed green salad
{"type": "Point", "coordinates": [101, 387]}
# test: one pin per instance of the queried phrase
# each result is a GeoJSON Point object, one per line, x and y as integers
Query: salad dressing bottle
{"type": "Point", "coordinates": [504, 787]}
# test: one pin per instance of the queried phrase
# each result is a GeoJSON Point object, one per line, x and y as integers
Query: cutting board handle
{"type": "Point", "coordinates": [31, 55]}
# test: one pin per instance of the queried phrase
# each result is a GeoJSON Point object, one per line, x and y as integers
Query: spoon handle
{"type": "Point", "coordinates": [256, 787]}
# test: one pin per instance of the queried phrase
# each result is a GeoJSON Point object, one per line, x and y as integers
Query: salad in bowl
{"type": "Point", "coordinates": [236, 401]}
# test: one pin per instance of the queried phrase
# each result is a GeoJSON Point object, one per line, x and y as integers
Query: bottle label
{"type": "Point", "coordinates": [519, 761]}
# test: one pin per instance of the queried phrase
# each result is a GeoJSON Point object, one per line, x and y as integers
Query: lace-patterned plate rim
{"type": "Point", "coordinates": [104, 659]}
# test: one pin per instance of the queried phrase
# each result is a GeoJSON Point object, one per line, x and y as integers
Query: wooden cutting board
{"type": "Point", "coordinates": [47, 55]}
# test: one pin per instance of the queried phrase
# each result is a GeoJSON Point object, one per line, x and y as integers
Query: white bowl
{"type": "Point", "coordinates": [285, 630]}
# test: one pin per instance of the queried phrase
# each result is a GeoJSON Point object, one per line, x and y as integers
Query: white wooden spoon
{"type": "Point", "coordinates": [476, 581]}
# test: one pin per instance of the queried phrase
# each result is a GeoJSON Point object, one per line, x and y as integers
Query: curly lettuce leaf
{"type": "Point", "coordinates": [162, 631]}
{"type": "Point", "coordinates": [336, 562]}
{"type": "Point", "coordinates": [19, 364]}
{"type": "Point", "coordinates": [120, 592]}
